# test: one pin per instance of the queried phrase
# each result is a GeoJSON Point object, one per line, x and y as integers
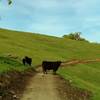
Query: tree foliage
{"type": "Point", "coordinates": [9, 2]}
{"type": "Point", "coordinates": [75, 36]}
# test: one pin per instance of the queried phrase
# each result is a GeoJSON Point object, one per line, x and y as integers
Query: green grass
{"type": "Point", "coordinates": [8, 64]}
{"type": "Point", "coordinates": [86, 76]}
{"type": "Point", "coordinates": [43, 47]}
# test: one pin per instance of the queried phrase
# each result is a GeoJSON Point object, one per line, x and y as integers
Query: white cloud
{"type": "Point", "coordinates": [52, 16]}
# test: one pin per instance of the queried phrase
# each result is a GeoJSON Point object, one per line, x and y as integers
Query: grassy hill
{"type": "Point", "coordinates": [42, 47]}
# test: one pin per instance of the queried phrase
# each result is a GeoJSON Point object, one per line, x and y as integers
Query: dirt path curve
{"type": "Point", "coordinates": [51, 87]}
{"type": "Point", "coordinates": [42, 87]}
{"type": "Point", "coordinates": [78, 61]}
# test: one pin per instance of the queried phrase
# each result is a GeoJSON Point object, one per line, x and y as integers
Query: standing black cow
{"type": "Point", "coordinates": [50, 65]}
{"type": "Point", "coordinates": [27, 60]}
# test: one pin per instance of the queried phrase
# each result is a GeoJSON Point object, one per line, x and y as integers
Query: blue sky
{"type": "Point", "coordinates": [53, 17]}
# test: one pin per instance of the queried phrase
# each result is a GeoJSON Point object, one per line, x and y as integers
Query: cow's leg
{"type": "Point", "coordinates": [29, 64]}
{"type": "Point", "coordinates": [23, 61]}
{"type": "Point", "coordinates": [44, 71]}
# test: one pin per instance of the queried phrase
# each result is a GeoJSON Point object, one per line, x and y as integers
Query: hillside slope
{"type": "Point", "coordinates": [42, 47]}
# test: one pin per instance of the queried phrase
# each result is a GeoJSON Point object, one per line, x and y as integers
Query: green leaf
{"type": "Point", "coordinates": [9, 2]}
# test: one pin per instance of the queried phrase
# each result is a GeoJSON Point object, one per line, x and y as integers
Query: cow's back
{"type": "Point", "coordinates": [51, 65]}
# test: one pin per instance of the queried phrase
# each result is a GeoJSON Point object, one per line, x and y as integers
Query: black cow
{"type": "Point", "coordinates": [50, 65]}
{"type": "Point", "coordinates": [27, 60]}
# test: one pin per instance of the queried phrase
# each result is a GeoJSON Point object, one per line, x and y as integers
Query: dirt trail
{"type": "Point", "coordinates": [42, 87]}
{"type": "Point", "coordinates": [53, 87]}
{"type": "Point", "coordinates": [77, 61]}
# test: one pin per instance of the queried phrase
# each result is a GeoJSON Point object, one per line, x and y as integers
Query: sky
{"type": "Point", "coordinates": [53, 17]}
